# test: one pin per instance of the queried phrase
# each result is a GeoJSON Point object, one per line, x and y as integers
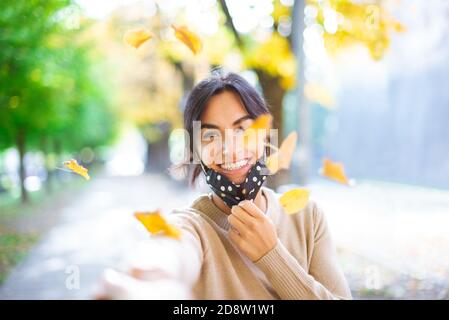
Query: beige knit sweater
{"type": "Point", "coordinates": [302, 265]}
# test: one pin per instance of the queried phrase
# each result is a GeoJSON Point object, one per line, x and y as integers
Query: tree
{"type": "Point", "coordinates": [48, 89]}
{"type": "Point", "coordinates": [274, 59]}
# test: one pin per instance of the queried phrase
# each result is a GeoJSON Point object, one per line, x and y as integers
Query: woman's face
{"type": "Point", "coordinates": [222, 125]}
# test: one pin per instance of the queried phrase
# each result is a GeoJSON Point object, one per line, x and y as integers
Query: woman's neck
{"type": "Point", "coordinates": [260, 201]}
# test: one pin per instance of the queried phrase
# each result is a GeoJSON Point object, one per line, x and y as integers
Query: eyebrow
{"type": "Point", "coordinates": [236, 122]}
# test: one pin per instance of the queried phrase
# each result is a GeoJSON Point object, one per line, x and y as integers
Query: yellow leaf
{"type": "Point", "coordinates": [261, 122]}
{"type": "Point", "coordinates": [154, 222]}
{"type": "Point", "coordinates": [75, 167]}
{"type": "Point", "coordinates": [137, 37]}
{"type": "Point", "coordinates": [251, 134]}
{"type": "Point", "coordinates": [334, 171]}
{"type": "Point", "coordinates": [282, 158]}
{"type": "Point", "coordinates": [294, 200]}
{"type": "Point", "coordinates": [190, 39]}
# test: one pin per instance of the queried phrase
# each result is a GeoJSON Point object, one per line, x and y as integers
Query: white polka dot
{"type": "Point", "coordinates": [208, 178]}
{"type": "Point", "coordinates": [237, 198]}
{"type": "Point", "coordinates": [264, 177]}
{"type": "Point", "coordinates": [255, 179]}
{"type": "Point", "coordinates": [218, 177]}
{"type": "Point", "coordinates": [223, 195]}
{"type": "Point", "coordinates": [258, 168]}
{"type": "Point", "coordinates": [251, 191]}
{"type": "Point", "coordinates": [246, 180]}
{"type": "Point", "coordinates": [230, 188]}
{"type": "Point", "coordinates": [237, 185]}
{"type": "Point", "coordinates": [222, 188]}
{"type": "Point", "coordinates": [258, 183]}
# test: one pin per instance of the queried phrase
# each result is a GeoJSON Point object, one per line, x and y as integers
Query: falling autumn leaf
{"type": "Point", "coordinates": [261, 122]}
{"type": "Point", "coordinates": [294, 200]}
{"type": "Point", "coordinates": [154, 222]}
{"type": "Point", "coordinates": [77, 168]}
{"type": "Point", "coordinates": [251, 134]}
{"type": "Point", "coordinates": [282, 158]}
{"type": "Point", "coordinates": [334, 171]}
{"type": "Point", "coordinates": [137, 37]}
{"type": "Point", "coordinates": [190, 39]}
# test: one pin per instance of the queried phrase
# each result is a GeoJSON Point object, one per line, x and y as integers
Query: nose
{"type": "Point", "coordinates": [231, 147]}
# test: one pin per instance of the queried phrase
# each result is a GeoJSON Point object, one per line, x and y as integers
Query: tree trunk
{"type": "Point", "coordinates": [157, 157]}
{"type": "Point", "coordinates": [21, 147]}
{"type": "Point", "coordinates": [45, 151]}
{"type": "Point", "coordinates": [274, 95]}
{"type": "Point", "coordinates": [303, 113]}
{"type": "Point", "coordinates": [57, 147]}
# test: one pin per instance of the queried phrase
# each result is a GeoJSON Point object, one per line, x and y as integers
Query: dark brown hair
{"type": "Point", "coordinates": [217, 83]}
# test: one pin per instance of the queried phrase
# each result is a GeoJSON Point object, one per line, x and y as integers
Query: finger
{"type": "Point", "coordinates": [252, 209]}
{"type": "Point", "coordinates": [243, 215]}
{"type": "Point", "coordinates": [101, 296]}
{"type": "Point", "coordinates": [114, 284]}
{"type": "Point", "coordinates": [148, 274]}
{"type": "Point", "coordinates": [234, 236]}
{"type": "Point", "coordinates": [237, 223]}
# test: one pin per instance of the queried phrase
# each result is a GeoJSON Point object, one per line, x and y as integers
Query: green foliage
{"type": "Point", "coordinates": [50, 84]}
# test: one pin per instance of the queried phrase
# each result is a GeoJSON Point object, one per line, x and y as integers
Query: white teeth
{"type": "Point", "coordinates": [235, 165]}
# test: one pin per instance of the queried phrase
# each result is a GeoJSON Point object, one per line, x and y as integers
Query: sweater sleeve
{"type": "Point", "coordinates": [325, 279]}
{"type": "Point", "coordinates": [178, 259]}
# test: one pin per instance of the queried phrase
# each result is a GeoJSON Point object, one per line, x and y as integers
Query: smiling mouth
{"type": "Point", "coordinates": [233, 166]}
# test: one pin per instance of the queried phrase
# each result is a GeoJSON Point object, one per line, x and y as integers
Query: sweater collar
{"type": "Point", "coordinates": [207, 207]}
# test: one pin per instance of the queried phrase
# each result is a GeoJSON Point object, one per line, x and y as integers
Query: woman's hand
{"type": "Point", "coordinates": [252, 231]}
{"type": "Point", "coordinates": [116, 285]}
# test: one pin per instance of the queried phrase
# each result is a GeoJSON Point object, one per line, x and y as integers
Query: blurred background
{"type": "Point", "coordinates": [364, 83]}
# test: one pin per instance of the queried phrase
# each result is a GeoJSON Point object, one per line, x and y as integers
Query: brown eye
{"type": "Point", "coordinates": [210, 135]}
{"type": "Point", "coordinates": [239, 130]}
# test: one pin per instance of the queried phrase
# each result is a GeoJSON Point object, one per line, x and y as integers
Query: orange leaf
{"type": "Point", "coordinates": [294, 200]}
{"type": "Point", "coordinates": [190, 39]}
{"type": "Point", "coordinates": [75, 167]}
{"type": "Point", "coordinates": [282, 158]}
{"type": "Point", "coordinates": [154, 222]}
{"type": "Point", "coordinates": [334, 171]}
{"type": "Point", "coordinates": [262, 122]}
{"type": "Point", "coordinates": [137, 37]}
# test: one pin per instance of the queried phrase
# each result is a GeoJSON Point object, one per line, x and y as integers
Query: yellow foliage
{"type": "Point", "coordinates": [368, 24]}
{"type": "Point", "coordinates": [276, 58]}
{"type": "Point", "coordinates": [218, 46]}
{"type": "Point", "coordinates": [279, 10]}
{"type": "Point", "coordinates": [320, 94]}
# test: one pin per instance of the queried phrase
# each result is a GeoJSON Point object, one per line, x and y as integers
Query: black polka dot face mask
{"type": "Point", "coordinates": [232, 193]}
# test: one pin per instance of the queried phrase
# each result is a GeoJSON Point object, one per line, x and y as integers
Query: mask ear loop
{"type": "Point", "coordinates": [202, 165]}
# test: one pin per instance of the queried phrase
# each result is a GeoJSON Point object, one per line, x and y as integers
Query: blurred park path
{"type": "Point", "coordinates": [392, 239]}
{"type": "Point", "coordinates": [400, 231]}
{"type": "Point", "coordinates": [94, 230]}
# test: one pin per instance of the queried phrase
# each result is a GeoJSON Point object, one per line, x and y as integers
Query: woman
{"type": "Point", "coordinates": [237, 242]}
